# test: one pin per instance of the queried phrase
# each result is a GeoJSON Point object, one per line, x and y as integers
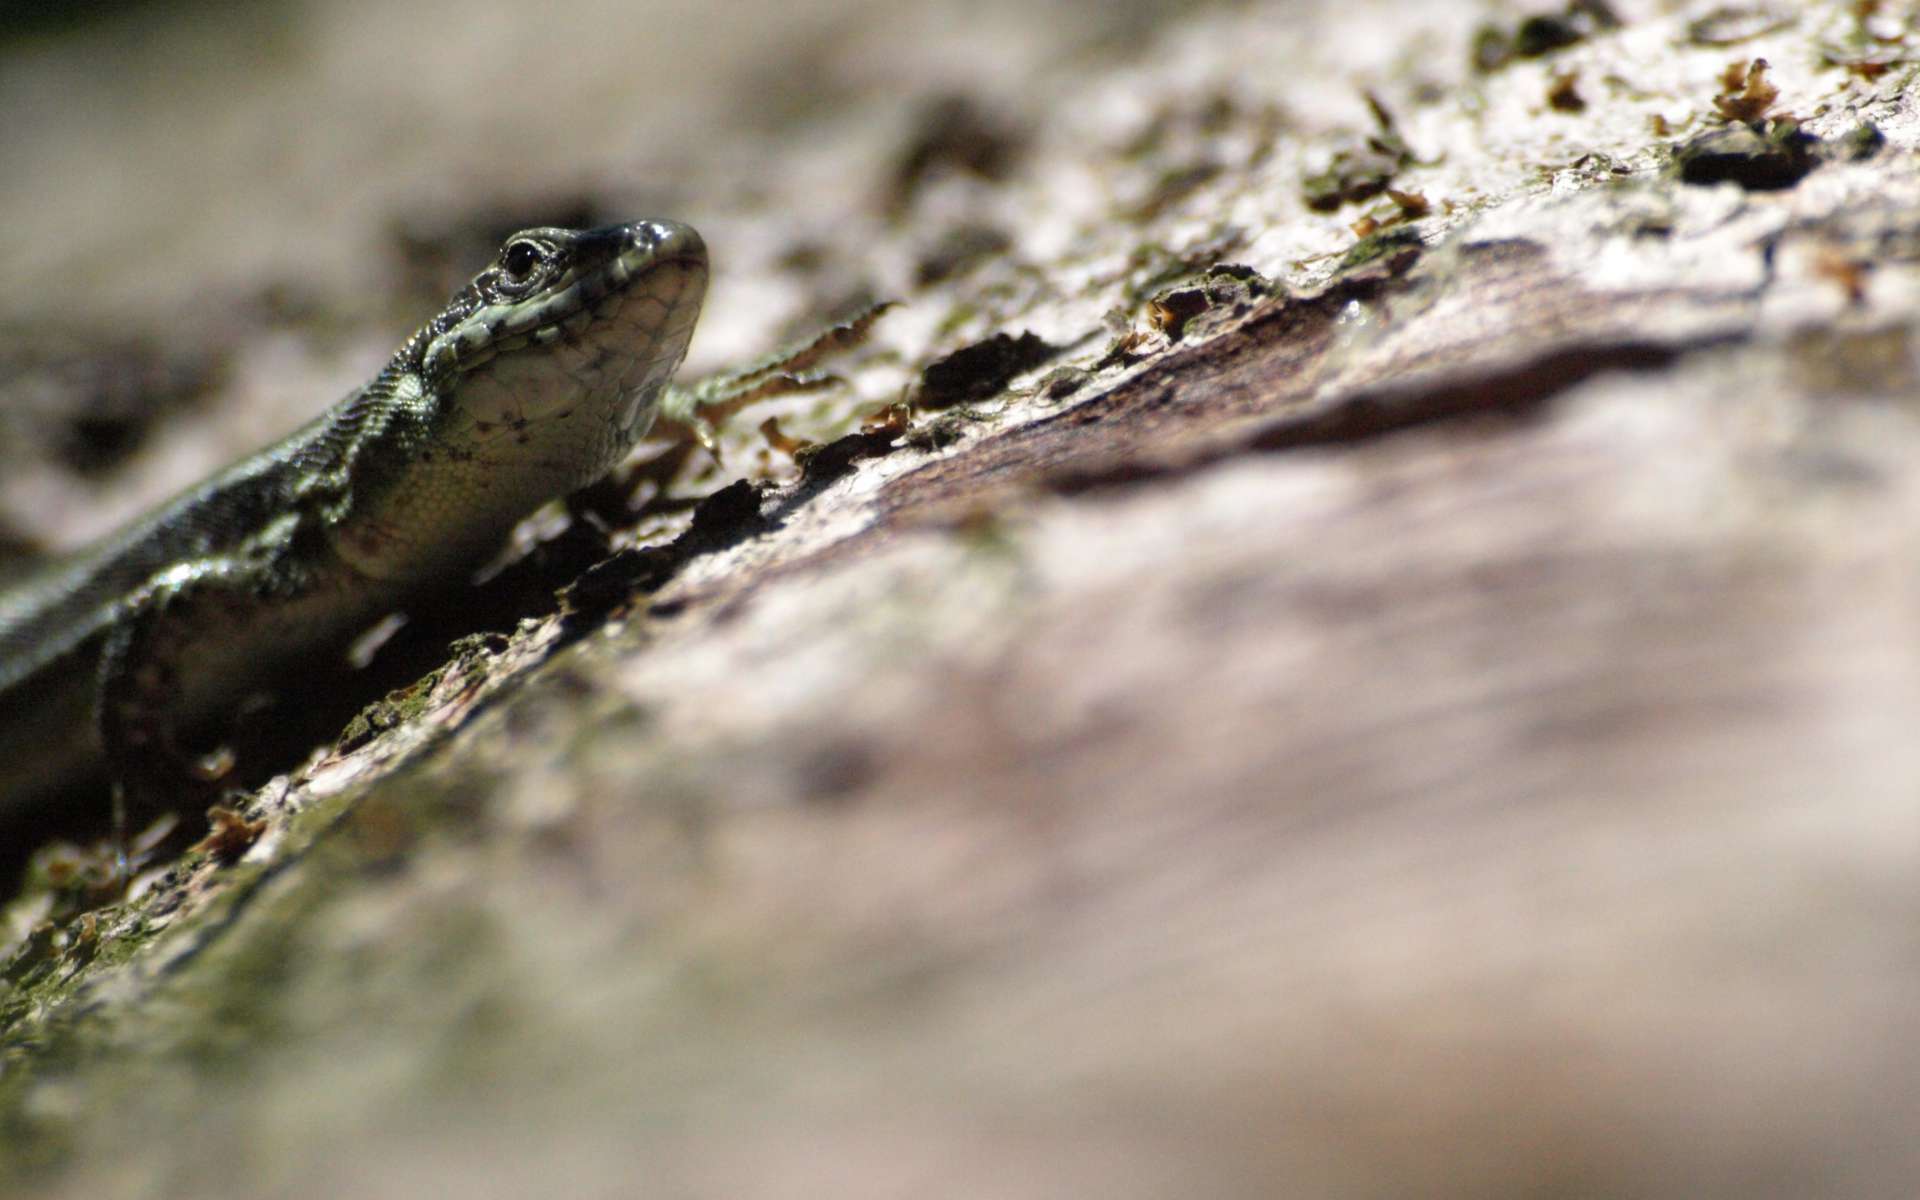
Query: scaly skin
{"type": "Point", "coordinates": [536, 378]}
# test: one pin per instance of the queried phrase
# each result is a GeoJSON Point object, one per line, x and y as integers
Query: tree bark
{"type": "Point", "coordinates": [1418, 708]}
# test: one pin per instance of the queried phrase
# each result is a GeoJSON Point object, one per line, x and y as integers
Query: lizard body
{"type": "Point", "coordinates": [534, 380]}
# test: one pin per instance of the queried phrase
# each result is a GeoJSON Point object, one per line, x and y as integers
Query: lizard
{"type": "Point", "coordinates": [534, 380]}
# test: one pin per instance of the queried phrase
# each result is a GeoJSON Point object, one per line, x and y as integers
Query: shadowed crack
{"type": "Point", "coordinates": [1516, 391]}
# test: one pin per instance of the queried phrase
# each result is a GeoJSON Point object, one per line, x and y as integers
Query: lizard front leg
{"type": "Point", "coordinates": [139, 700]}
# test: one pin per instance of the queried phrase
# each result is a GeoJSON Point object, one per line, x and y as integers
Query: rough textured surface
{"type": "Point", "coordinates": [1433, 716]}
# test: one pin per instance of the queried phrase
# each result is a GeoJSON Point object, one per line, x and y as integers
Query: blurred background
{"type": "Point", "coordinates": [151, 143]}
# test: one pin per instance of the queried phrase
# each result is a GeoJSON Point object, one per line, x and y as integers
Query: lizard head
{"type": "Point", "coordinates": [536, 379]}
{"type": "Point", "coordinates": [578, 326]}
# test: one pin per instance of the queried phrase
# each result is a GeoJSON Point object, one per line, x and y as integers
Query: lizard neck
{"type": "Point", "coordinates": [436, 483]}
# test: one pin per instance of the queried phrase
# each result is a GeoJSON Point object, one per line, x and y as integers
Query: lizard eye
{"type": "Point", "coordinates": [520, 260]}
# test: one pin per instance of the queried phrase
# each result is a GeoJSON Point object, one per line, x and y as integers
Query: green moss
{"type": "Point", "coordinates": [1769, 157]}
{"type": "Point", "coordinates": [1380, 245]}
{"type": "Point", "coordinates": [1541, 34]}
{"type": "Point", "coordinates": [1357, 172]}
{"type": "Point", "coordinates": [394, 709]}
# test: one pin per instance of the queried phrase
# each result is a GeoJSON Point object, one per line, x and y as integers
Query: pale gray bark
{"type": "Point", "coordinates": [1442, 727]}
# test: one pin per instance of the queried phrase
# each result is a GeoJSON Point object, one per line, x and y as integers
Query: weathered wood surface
{"type": "Point", "coordinates": [1446, 729]}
